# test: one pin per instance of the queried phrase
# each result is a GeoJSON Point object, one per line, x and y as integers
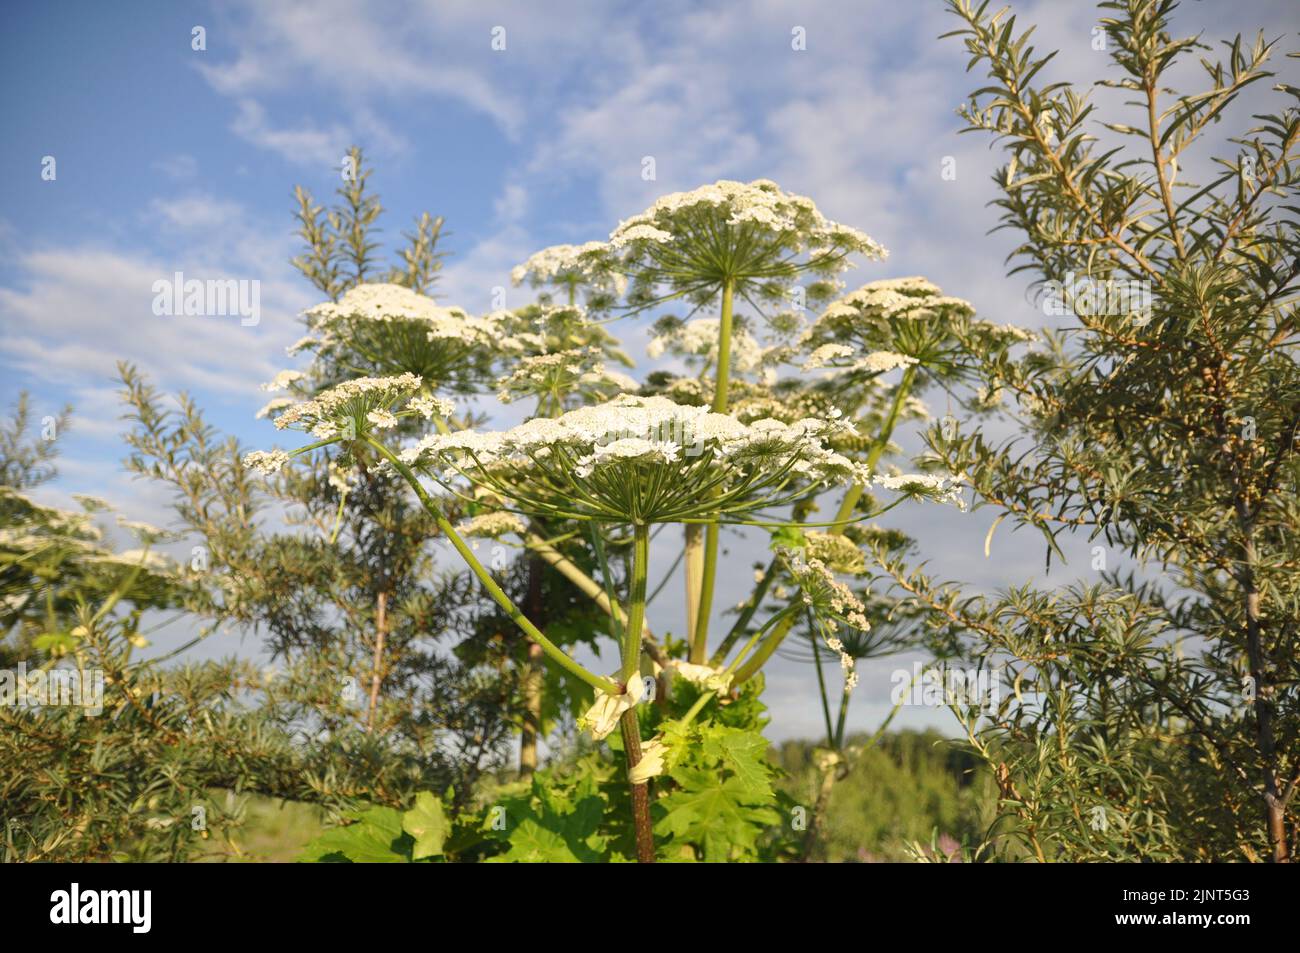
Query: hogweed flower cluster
{"type": "Point", "coordinates": [698, 340]}
{"type": "Point", "coordinates": [580, 372]}
{"type": "Point", "coordinates": [351, 411]}
{"type": "Point", "coordinates": [836, 551]}
{"type": "Point", "coordinates": [831, 603]}
{"type": "Point", "coordinates": [643, 460]}
{"type": "Point", "coordinates": [907, 316]}
{"type": "Point", "coordinates": [751, 234]}
{"type": "Point", "coordinates": [843, 358]}
{"type": "Point", "coordinates": [942, 488]}
{"type": "Point", "coordinates": [589, 266]}
{"type": "Point", "coordinates": [902, 322]}
{"type": "Point", "coordinates": [385, 329]}
{"type": "Point", "coordinates": [492, 525]}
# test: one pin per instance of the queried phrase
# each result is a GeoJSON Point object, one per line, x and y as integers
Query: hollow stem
{"type": "Point", "coordinates": [693, 554]}
{"type": "Point", "coordinates": [764, 651]}
{"type": "Point", "coordinates": [709, 569]}
{"type": "Point", "coordinates": [641, 825]}
{"type": "Point", "coordinates": [724, 348]}
{"type": "Point", "coordinates": [645, 847]}
{"type": "Point", "coordinates": [592, 589]}
{"type": "Point", "coordinates": [636, 601]}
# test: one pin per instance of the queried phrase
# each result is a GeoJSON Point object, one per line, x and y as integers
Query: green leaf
{"type": "Point", "coordinates": [720, 818]}
{"type": "Point", "coordinates": [787, 537]}
{"type": "Point", "coordinates": [427, 823]}
{"type": "Point", "coordinates": [557, 838]}
{"type": "Point", "coordinates": [375, 836]}
{"type": "Point", "coordinates": [745, 753]}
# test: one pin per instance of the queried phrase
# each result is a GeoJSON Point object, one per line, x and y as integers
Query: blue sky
{"type": "Point", "coordinates": [171, 159]}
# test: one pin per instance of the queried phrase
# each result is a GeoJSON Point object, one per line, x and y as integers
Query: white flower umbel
{"type": "Point", "coordinates": [836, 551]}
{"type": "Point", "coordinates": [826, 355]}
{"type": "Point", "coordinates": [274, 404]}
{"type": "Point", "coordinates": [92, 504]}
{"type": "Point", "coordinates": [938, 487]}
{"type": "Point", "coordinates": [557, 377]}
{"type": "Point", "coordinates": [348, 411]}
{"type": "Point", "coordinates": [283, 381]}
{"type": "Point", "coordinates": [428, 406]}
{"type": "Point", "coordinates": [266, 462]}
{"type": "Point", "coordinates": [840, 357]}
{"type": "Point", "coordinates": [751, 234]}
{"type": "Point", "coordinates": [570, 267]}
{"type": "Point", "coordinates": [386, 329]}
{"type": "Point", "coordinates": [493, 525]}
{"type": "Point", "coordinates": [902, 322]}
{"type": "Point", "coordinates": [832, 605]}
{"type": "Point", "coordinates": [643, 460]}
{"type": "Point", "coordinates": [699, 339]}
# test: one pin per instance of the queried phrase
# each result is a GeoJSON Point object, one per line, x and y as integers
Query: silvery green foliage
{"type": "Point", "coordinates": [100, 768]}
{"type": "Point", "coordinates": [1152, 711]}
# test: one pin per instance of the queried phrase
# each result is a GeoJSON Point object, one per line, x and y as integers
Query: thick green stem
{"type": "Point", "coordinates": [693, 556]}
{"type": "Point", "coordinates": [760, 657]}
{"type": "Point", "coordinates": [724, 349]}
{"type": "Point", "coordinates": [700, 644]}
{"type": "Point", "coordinates": [592, 589]}
{"type": "Point", "coordinates": [553, 651]}
{"type": "Point", "coordinates": [636, 601]}
{"type": "Point", "coordinates": [645, 846]}
{"type": "Point", "coordinates": [708, 571]}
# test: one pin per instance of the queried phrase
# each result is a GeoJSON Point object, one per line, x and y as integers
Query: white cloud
{"type": "Point", "coordinates": [178, 167]}
{"type": "Point", "coordinates": [512, 204]}
{"type": "Point", "coordinates": [305, 144]}
{"type": "Point", "coordinates": [359, 55]}
{"type": "Point", "coordinates": [70, 313]}
{"type": "Point", "coordinates": [470, 280]}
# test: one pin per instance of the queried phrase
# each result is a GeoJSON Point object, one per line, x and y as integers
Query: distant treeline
{"type": "Point", "coordinates": [911, 791]}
